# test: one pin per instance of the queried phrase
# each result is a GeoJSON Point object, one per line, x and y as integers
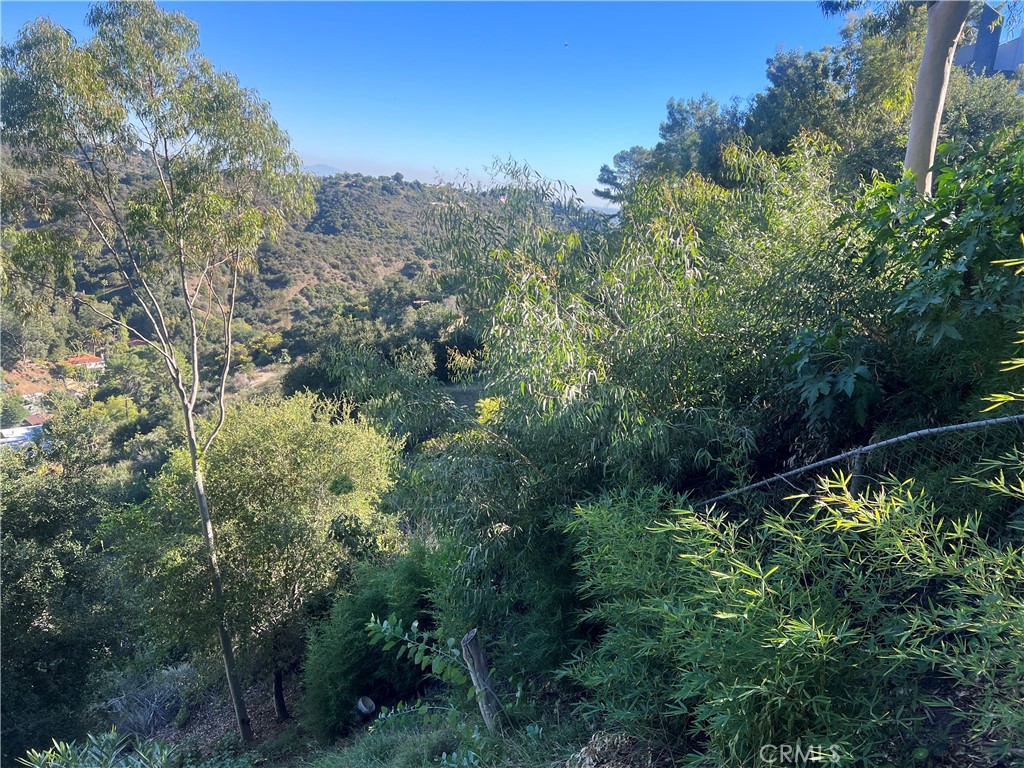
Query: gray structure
{"type": "Point", "coordinates": [987, 55]}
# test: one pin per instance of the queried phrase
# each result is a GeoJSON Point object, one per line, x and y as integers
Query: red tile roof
{"type": "Point", "coordinates": [83, 359]}
{"type": "Point", "coordinates": [35, 419]}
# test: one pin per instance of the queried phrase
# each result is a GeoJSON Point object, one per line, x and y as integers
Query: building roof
{"type": "Point", "coordinates": [83, 359]}
{"type": "Point", "coordinates": [35, 419]}
{"type": "Point", "coordinates": [15, 437]}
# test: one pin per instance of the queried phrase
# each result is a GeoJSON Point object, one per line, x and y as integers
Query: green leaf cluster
{"type": "Point", "coordinates": [859, 622]}
{"type": "Point", "coordinates": [293, 489]}
{"type": "Point", "coordinates": [107, 750]}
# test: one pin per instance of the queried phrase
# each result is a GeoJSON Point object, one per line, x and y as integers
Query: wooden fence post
{"type": "Point", "coordinates": [485, 695]}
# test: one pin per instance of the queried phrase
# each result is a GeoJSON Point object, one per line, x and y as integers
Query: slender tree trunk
{"type": "Point", "coordinates": [226, 647]}
{"type": "Point", "coordinates": [946, 22]}
{"type": "Point", "coordinates": [280, 709]}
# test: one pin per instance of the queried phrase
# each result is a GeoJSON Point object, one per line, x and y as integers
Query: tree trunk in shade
{"type": "Point", "coordinates": [279, 706]}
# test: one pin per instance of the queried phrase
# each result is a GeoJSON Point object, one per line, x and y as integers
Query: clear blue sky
{"type": "Point", "coordinates": [430, 89]}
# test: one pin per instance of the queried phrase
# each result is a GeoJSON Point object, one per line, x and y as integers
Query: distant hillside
{"type": "Point", "coordinates": [321, 170]}
{"type": "Point", "coordinates": [363, 228]}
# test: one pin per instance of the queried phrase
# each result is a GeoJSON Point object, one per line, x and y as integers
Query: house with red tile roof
{"type": "Point", "coordinates": [86, 361]}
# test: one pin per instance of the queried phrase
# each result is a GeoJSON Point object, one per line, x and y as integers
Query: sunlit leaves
{"type": "Point", "coordinates": [293, 487]}
{"type": "Point", "coordinates": [858, 618]}
{"type": "Point", "coordinates": [214, 174]}
{"type": "Point", "coordinates": [941, 251]}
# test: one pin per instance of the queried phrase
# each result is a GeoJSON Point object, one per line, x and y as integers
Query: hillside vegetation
{"type": "Point", "coordinates": [502, 416]}
{"type": "Point", "coordinates": [363, 229]}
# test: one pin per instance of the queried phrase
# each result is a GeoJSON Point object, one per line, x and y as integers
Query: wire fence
{"type": "Point", "coordinates": [944, 454]}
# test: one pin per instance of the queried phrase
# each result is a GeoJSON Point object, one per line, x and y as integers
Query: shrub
{"type": "Point", "coordinates": [108, 750]}
{"type": "Point", "coordinates": [296, 488]}
{"type": "Point", "coordinates": [145, 702]}
{"type": "Point", "coordinates": [12, 409]}
{"type": "Point", "coordinates": [953, 305]}
{"type": "Point", "coordinates": [869, 624]}
{"type": "Point", "coordinates": [651, 353]}
{"type": "Point", "coordinates": [341, 665]}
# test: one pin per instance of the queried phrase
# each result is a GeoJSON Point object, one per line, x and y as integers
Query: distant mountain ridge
{"type": "Point", "coordinates": [319, 169]}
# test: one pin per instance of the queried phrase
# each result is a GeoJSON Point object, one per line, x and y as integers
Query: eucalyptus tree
{"type": "Point", "coordinates": [946, 23]}
{"type": "Point", "coordinates": [213, 176]}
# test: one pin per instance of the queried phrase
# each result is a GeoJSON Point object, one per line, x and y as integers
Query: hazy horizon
{"type": "Point", "coordinates": [439, 90]}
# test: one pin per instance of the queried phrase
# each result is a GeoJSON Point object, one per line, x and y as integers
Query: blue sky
{"type": "Point", "coordinates": [431, 89]}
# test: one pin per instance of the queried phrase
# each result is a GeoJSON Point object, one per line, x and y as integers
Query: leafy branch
{"type": "Point", "coordinates": [422, 648]}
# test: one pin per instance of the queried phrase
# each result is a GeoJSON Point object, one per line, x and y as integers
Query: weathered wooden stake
{"type": "Point", "coordinates": [490, 706]}
{"type": "Point", "coordinates": [857, 474]}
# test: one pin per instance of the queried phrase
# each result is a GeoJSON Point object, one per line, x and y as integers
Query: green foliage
{"type": "Point", "coordinates": [655, 353]}
{"type": "Point", "coordinates": [355, 235]}
{"type": "Point", "coordinates": [430, 733]}
{"type": "Point", "coordinates": [942, 251]}
{"type": "Point", "coordinates": [738, 317]}
{"type": "Point", "coordinates": [859, 94]}
{"type": "Point", "coordinates": [389, 357]}
{"type": "Point", "coordinates": [497, 566]}
{"type": "Point", "coordinates": [293, 488]}
{"type": "Point", "coordinates": [410, 747]}
{"type": "Point", "coordinates": [230, 181]}
{"type": "Point", "coordinates": [43, 254]}
{"type": "Point", "coordinates": [216, 177]}
{"type": "Point", "coordinates": [228, 754]}
{"type": "Point", "coordinates": [627, 166]}
{"type": "Point", "coordinates": [1015, 363]}
{"type": "Point", "coordinates": [341, 665]}
{"type": "Point", "coordinates": [693, 135]}
{"type": "Point", "coordinates": [979, 106]}
{"type": "Point", "coordinates": [422, 648]}
{"type": "Point", "coordinates": [12, 409]}
{"type": "Point", "coordinates": [871, 624]}
{"type": "Point", "coordinates": [34, 336]}
{"type": "Point", "coordinates": [57, 596]}
{"type": "Point", "coordinates": [805, 93]}
{"type": "Point", "coordinates": [952, 305]}
{"type": "Point", "coordinates": [830, 375]}
{"type": "Point", "coordinates": [108, 750]}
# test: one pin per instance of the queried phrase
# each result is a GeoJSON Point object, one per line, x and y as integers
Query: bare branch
{"type": "Point", "coordinates": [228, 346]}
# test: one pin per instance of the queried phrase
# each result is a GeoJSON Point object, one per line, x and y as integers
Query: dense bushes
{"type": "Point", "coordinates": [652, 353]}
{"type": "Point", "coordinates": [867, 624]}
{"type": "Point", "coordinates": [943, 253]}
{"type": "Point", "coordinates": [294, 488]}
{"type": "Point", "coordinates": [718, 335]}
{"type": "Point", "coordinates": [341, 665]}
{"type": "Point", "coordinates": [718, 330]}
{"type": "Point", "coordinates": [59, 629]}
